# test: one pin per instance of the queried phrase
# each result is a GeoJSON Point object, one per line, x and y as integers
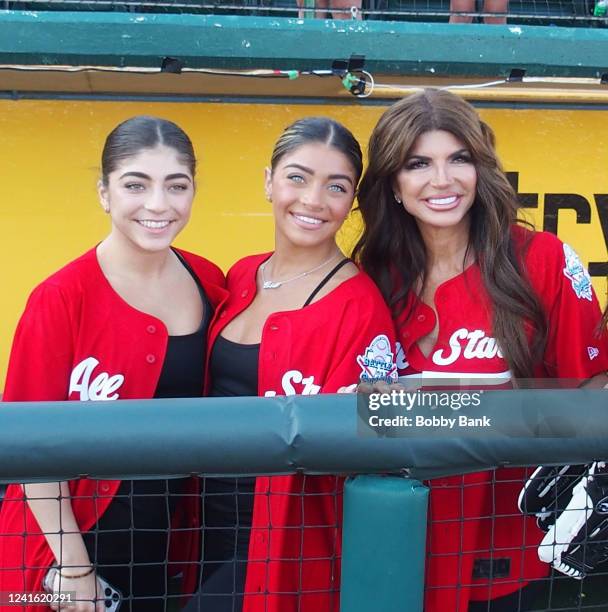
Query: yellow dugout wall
{"type": "Point", "coordinates": [50, 164]}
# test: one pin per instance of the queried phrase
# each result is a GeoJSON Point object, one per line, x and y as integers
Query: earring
{"type": "Point", "coordinates": [106, 209]}
{"type": "Point", "coordinates": [397, 199]}
{"type": "Point", "coordinates": [268, 197]}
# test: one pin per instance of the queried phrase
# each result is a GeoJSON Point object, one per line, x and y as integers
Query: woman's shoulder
{"type": "Point", "coordinates": [74, 274]}
{"type": "Point", "coordinates": [539, 248]}
{"type": "Point", "coordinates": [204, 269]}
{"type": "Point", "coordinates": [543, 252]}
{"type": "Point", "coordinates": [64, 288]}
{"type": "Point", "coordinates": [355, 295]}
{"type": "Point", "coordinates": [361, 286]}
{"type": "Point", "coordinates": [550, 263]}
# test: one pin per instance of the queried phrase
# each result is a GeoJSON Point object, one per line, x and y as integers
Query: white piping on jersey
{"type": "Point", "coordinates": [466, 378]}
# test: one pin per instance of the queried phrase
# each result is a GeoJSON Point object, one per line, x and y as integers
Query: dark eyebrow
{"type": "Point", "coordinates": [177, 175]}
{"type": "Point", "coordinates": [332, 177]}
{"type": "Point", "coordinates": [425, 158]}
{"type": "Point", "coordinates": [169, 177]}
{"type": "Point", "coordinates": [300, 167]}
{"type": "Point", "coordinates": [136, 174]}
{"type": "Point", "coordinates": [461, 151]}
{"type": "Point", "coordinates": [345, 177]}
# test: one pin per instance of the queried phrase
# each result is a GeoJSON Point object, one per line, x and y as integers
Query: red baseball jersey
{"type": "Point", "coordinates": [474, 520]}
{"type": "Point", "coordinates": [79, 340]}
{"type": "Point", "coordinates": [341, 338]}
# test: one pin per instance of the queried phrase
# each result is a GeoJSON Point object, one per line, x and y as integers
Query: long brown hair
{"type": "Point", "coordinates": [391, 249]}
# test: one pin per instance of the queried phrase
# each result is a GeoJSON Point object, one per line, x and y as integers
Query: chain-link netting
{"type": "Point", "coordinates": [510, 540]}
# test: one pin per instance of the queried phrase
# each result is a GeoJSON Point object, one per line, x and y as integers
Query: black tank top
{"type": "Point", "coordinates": [234, 366]}
{"type": "Point", "coordinates": [150, 502]}
{"type": "Point", "coordinates": [234, 372]}
{"type": "Point", "coordinates": [183, 370]}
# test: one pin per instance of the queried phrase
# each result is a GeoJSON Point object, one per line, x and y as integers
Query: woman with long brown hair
{"type": "Point", "coordinates": [474, 294]}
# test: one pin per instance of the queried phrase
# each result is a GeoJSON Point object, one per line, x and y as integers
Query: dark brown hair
{"type": "Point", "coordinates": [134, 135]}
{"type": "Point", "coordinates": [323, 130]}
{"type": "Point", "coordinates": [391, 249]}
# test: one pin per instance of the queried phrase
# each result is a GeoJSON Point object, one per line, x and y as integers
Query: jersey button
{"type": "Point", "coordinates": [150, 358]}
{"type": "Point", "coordinates": [105, 488]}
{"type": "Point", "coordinates": [151, 329]}
{"type": "Point", "coordinates": [245, 293]}
{"type": "Point", "coordinates": [406, 334]}
{"type": "Point", "coordinates": [421, 318]}
{"type": "Point", "coordinates": [274, 328]}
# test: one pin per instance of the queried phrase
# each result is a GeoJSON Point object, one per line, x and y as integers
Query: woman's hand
{"type": "Point", "coordinates": [51, 504]}
{"type": "Point", "coordinates": [85, 593]}
{"type": "Point", "coordinates": [350, 389]}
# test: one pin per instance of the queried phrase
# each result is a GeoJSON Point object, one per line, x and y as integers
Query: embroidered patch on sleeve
{"type": "Point", "coordinates": [593, 352]}
{"type": "Point", "coordinates": [577, 274]}
{"type": "Point", "coordinates": [378, 363]}
{"type": "Point", "coordinates": [400, 357]}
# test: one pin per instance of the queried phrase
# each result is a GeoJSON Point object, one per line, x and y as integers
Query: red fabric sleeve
{"type": "Point", "coordinates": [42, 352]}
{"type": "Point", "coordinates": [369, 331]}
{"type": "Point", "coordinates": [576, 347]}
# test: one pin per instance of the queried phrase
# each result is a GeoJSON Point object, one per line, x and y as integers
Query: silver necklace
{"type": "Point", "coordinates": [270, 284]}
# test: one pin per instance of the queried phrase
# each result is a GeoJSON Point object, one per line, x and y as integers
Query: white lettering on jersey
{"type": "Point", "coordinates": [101, 388]}
{"type": "Point", "coordinates": [577, 274]}
{"type": "Point", "coordinates": [295, 376]}
{"type": "Point", "coordinates": [478, 346]}
{"type": "Point", "coordinates": [593, 352]}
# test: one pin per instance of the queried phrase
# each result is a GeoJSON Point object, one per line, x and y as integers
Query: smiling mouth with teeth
{"type": "Point", "coordinates": [306, 219]}
{"type": "Point", "coordinates": [442, 201]}
{"type": "Point", "coordinates": [153, 224]}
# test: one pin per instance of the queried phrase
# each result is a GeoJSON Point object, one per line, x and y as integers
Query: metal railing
{"type": "Point", "coordinates": [315, 438]}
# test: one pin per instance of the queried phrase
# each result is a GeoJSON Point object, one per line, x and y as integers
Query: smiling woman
{"type": "Point", "coordinates": [158, 200]}
{"type": "Point", "coordinates": [438, 181]}
{"type": "Point", "coordinates": [102, 328]}
{"type": "Point", "coordinates": [475, 295]}
{"type": "Point", "coordinates": [299, 320]}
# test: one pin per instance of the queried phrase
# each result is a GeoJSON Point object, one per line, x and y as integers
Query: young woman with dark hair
{"type": "Point", "coordinates": [299, 320]}
{"type": "Point", "coordinates": [101, 328]}
{"type": "Point", "coordinates": [475, 295]}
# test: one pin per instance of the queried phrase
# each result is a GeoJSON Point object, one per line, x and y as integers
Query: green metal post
{"type": "Point", "coordinates": [384, 542]}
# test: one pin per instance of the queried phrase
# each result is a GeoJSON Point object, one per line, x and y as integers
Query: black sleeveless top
{"type": "Point", "coordinates": [228, 502]}
{"type": "Point", "coordinates": [234, 366]}
{"type": "Point", "coordinates": [151, 502]}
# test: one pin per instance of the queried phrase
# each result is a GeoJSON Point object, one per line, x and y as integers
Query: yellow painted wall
{"type": "Point", "coordinates": [49, 161]}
